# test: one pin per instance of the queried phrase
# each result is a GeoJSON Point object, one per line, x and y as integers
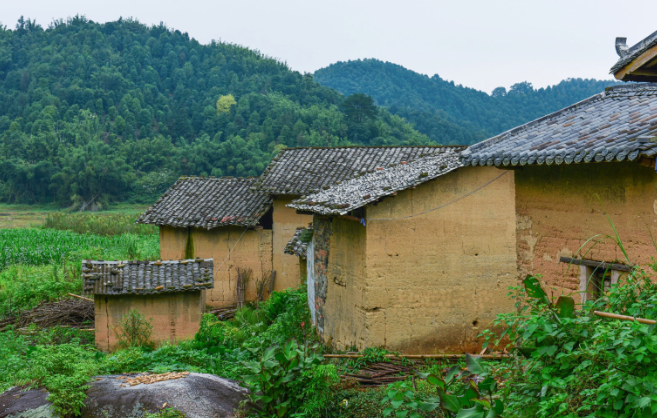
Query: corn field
{"type": "Point", "coordinates": [100, 224]}
{"type": "Point", "coordinates": [50, 246]}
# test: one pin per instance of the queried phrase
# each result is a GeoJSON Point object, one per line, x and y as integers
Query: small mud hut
{"type": "Point", "coordinates": [168, 293]}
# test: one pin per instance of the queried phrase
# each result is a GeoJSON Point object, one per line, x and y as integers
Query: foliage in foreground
{"type": "Point", "coordinates": [584, 365]}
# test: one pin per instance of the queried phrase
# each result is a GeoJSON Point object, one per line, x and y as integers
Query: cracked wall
{"type": "Point", "coordinates": [174, 316]}
{"type": "Point", "coordinates": [429, 283]}
{"type": "Point", "coordinates": [558, 210]}
{"type": "Point", "coordinates": [253, 251]}
{"type": "Point", "coordinates": [286, 221]}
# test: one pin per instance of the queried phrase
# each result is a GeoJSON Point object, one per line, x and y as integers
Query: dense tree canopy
{"type": "Point", "coordinates": [92, 112]}
{"type": "Point", "coordinates": [449, 113]}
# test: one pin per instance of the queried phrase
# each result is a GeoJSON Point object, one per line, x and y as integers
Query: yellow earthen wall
{"type": "Point", "coordinates": [174, 316]}
{"type": "Point", "coordinates": [558, 210]}
{"type": "Point", "coordinates": [345, 319]}
{"type": "Point", "coordinates": [254, 251]}
{"type": "Point", "coordinates": [430, 283]}
{"type": "Point", "coordinates": [286, 221]}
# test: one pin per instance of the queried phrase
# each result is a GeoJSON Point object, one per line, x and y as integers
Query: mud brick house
{"type": "Point", "coordinates": [295, 172]}
{"type": "Point", "coordinates": [571, 167]}
{"type": "Point", "coordinates": [416, 257]}
{"type": "Point", "coordinates": [218, 218]}
{"type": "Point", "coordinates": [169, 293]}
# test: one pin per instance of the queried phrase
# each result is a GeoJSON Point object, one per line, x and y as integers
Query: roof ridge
{"type": "Point", "coordinates": [635, 50]}
{"type": "Point", "coordinates": [377, 146]}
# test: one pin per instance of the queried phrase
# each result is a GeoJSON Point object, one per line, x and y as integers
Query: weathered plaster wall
{"type": "Point", "coordinates": [174, 316]}
{"type": "Point", "coordinates": [254, 251]}
{"type": "Point", "coordinates": [346, 320]}
{"type": "Point", "coordinates": [429, 283]}
{"type": "Point", "coordinates": [286, 221]}
{"type": "Point", "coordinates": [322, 232]}
{"type": "Point", "coordinates": [558, 210]}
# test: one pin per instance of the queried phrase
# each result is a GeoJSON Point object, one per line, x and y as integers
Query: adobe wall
{"type": "Point", "coordinates": [558, 211]}
{"type": "Point", "coordinates": [345, 322]}
{"type": "Point", "coordinates": [286, 221]}
{"type": "Point", "coordinates": [253, 251]}
{"type": "Point", "coordinates": [430, 283]}
{"type": "Point", "coordinates": [174, 316]}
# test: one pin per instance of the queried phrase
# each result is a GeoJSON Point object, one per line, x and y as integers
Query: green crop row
{"type": "Point", "coordinates": [48, 246]}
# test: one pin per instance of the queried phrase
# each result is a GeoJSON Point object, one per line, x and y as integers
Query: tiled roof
{"type": "Point", "coordinates": [618, 124]}
{"type": "Point", "coordinates": [146, 277]}
{"type": "Point", "coordinates": [208, 202]}
{"type": "Point", "coordinates": [300, 171]}
{"type": "Point", "coordinates": [298, 245]}
{"type": "Point", "coordinates": [630, 54]}
{"type": "Point", "coordinates": [360, 191]}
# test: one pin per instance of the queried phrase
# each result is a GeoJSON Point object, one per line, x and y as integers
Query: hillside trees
{"type": "Point", "coordinates": [449, 113]}
{"type": "Point", "coordinates": [92, 113]}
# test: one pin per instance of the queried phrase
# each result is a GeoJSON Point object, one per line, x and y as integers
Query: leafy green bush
{"type": "Point", "coordinates": [24, 287]}
{"type": "Point", "coordinates": [64, 369]}
{"type": "Point", "coordinates": [167, 358]}
{"type": "Point", "coordinates": [583, 364]}
{"type": "Point", "coordinates": [279, 378]}
{"type": "Point", "coordinates": [134, 330]}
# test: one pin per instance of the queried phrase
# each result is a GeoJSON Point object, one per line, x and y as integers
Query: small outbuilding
{"type": "Point", "coordinates": [223, 218]}
{"type": "Point", "coordinates": [168, 293]}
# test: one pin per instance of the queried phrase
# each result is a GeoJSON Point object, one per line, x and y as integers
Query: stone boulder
{"type": "Point", "coordinates": [197, 395]}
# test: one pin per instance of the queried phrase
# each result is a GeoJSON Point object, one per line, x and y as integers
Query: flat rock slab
{"type": "Point", "coordinates": [20, 403]}
{"type": "Point", "coordinates": [197, 395]}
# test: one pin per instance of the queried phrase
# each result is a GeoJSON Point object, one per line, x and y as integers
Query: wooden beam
{"type": "Point", "coordinates": [596, 264]}
{"type": "Point", "coordinates": [422, 356]}
{"type": "Point", "coordinates": [624, 317]}
{"type": "Point", "coordinates": [637, 63]}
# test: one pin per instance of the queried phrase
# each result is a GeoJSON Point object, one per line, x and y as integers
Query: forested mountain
{"type": "Point", "coordinates": [91, 113]}
{"type": "Point", "coordinates": [449, 113]}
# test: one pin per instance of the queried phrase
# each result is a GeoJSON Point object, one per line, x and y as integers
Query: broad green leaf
{"type": "Point", "coordinates": [565, 307]}
{"type": "Point", "coordinates": [498, 406]}
{"type": "Point", "coordinates": [488, 385]}
{"type": "Point", "coordinates": [643, 402]}
{"type": "Point", "coordinates": [269, 353]}
{"type": "Point", "coordinates": [433, 380]}
{"type": "Point", "coordinates": [428, 406]}
{"type": "Point", "coordinates": [474, 364]}
{"type": "Point", "coordinates": [451, 373]}
{"type": "Point", "coordinates": [387, 411]}
{"type": "Point", "coordinates": [449, 402]}
{"type": "Point", "coordinates": [534, 289]}
{"type": "Point", "coordinates": [401, 414]}
{"type": "Point", "coordinates": [476, 411]}
{"type": "Point", "coordinates": [396, 403]}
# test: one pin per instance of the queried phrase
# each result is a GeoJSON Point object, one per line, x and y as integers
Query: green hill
{"type": "Point", "coordinates": [450, 113]}
{"type": "Point", "coordinates": [92, 113]}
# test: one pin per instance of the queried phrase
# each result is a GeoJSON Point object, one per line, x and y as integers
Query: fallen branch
{"type": "Point", "coordinates": [624, 317]}
{"type": "Point", "coordinates": [80, 297]}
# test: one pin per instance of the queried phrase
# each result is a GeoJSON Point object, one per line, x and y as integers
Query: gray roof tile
{"type": "Point", "coordinates": [209, 202]}
{"type": "Point", "coordinates": [352, 194]}
{"type": "Point", "coordinates": [614, 125]}
{"type": "Point", "coordinates": [301, 171]}
{"type": "Point", "coordinates": [298, 245]}
{"type": "Point", "coordinates": [146, 277]}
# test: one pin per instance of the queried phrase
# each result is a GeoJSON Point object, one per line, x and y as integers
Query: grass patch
{"type": "Point", "coordinates": [99, 224]}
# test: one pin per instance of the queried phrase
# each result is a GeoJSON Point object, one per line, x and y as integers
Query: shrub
{"type": "Point", "coordinates": [134, 330]}
{"type": "Point", "coordinates": [279, 378]}
{"type": "Point", "coordinates": [580, 364]}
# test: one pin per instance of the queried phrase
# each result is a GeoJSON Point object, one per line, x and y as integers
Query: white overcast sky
{"type": "Point", "coordinates": [477, 43]}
